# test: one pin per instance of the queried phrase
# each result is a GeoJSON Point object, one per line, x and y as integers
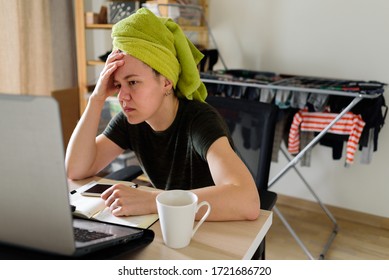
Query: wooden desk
{"type": "Point", "coordinates": [213, 240]}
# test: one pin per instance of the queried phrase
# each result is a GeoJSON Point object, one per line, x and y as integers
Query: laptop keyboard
{"type": "Point", "coordinates": [84, 235]}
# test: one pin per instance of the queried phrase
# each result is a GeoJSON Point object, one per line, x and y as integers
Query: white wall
{"type": "Point", "coordinates": [329, 38]}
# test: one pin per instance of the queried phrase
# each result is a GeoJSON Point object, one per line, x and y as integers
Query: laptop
{"type": "Point", "coordinates": [34, 197]}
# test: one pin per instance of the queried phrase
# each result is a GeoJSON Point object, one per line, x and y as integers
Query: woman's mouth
{"type": "Point", "coordinates": [127, 109]}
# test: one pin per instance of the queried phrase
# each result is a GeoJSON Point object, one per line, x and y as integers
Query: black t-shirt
{"type": "Point", "coordinates": [174, 158]}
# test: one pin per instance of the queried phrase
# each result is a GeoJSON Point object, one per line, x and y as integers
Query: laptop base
{"type": "Point", "coordinates": [8, 252]}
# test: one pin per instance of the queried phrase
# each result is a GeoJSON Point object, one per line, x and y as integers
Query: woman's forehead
{"type": "Point", "coordinates": [132, 66]}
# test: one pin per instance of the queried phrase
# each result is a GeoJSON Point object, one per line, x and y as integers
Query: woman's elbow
{"type": "Point", "coordinates": [253, 212]}
{"type": "Point", "coordinates": [74, 173]}
{"type": "Point", "coordinates": [73, 177]}
{"type": "Point", "coordinates": [252, 208]}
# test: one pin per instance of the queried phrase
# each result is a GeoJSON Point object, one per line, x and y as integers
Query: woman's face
{"type": "Point", "coordinates": [141, 91]}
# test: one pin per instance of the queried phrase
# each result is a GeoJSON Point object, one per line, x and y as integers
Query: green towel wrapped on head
{"type": "Point", "coordinates": [160, 43]}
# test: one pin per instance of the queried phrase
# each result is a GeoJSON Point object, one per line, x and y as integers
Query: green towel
{"type": "Point", "coordinates": [160, 43]}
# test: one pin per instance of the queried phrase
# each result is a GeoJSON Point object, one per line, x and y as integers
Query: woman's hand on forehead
{"type": "Point", "coordinates": [105, 86]}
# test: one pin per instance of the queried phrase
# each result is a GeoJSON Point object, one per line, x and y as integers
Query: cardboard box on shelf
{"type": "Point", "coordinates": [91, 18]}
{"type": "Point", "coordinates": [96, 18]}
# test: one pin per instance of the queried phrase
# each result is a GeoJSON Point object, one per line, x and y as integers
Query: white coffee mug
{"type": "Point", "coordinates": [177, 210]}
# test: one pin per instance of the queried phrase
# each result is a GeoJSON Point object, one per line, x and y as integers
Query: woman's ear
{"type": "Point", "coordinates": [168, 84]}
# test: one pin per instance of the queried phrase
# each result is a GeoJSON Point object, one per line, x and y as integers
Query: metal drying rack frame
{"type": "Point", "coordinates": [357, 97]}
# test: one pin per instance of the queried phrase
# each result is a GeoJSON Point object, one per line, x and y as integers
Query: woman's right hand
{"type": "Point", "coordinates": [105, 86]}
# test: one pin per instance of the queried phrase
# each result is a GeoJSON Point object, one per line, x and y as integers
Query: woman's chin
{"type": "Point", "coordinates": [133, 120]}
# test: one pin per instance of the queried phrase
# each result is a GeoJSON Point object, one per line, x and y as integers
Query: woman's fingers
{"type": "Point", "coordinates": [105, 86]}
{"type": "Point", "coordinates": [114, 56]}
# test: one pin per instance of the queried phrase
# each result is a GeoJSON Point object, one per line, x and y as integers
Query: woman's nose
{"type": "Point", "coordinates": [124, 95]}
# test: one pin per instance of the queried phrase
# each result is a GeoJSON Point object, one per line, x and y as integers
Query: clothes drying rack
{"type": "Point", "coordinates": [356, 98]}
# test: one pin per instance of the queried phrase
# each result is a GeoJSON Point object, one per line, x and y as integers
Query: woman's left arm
{"type": "Point", "coordinates": [234, 196]}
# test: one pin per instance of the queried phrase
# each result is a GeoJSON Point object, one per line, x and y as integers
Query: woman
{"type": "Point", "coordinates": [179, 140]}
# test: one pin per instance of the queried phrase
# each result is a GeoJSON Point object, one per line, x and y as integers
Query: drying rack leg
{"type": "Point", "coordinates": [292, 163]}
{"type": "Point", "coordinates": [292, 232]}
{"type": "Point", "coordinates": [323, 207]}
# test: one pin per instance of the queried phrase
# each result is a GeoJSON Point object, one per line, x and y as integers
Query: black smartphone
{"type": "Point", "coordinates": [96, 190]}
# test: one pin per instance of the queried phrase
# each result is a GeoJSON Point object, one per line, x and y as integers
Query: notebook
{"type": "Point", "coordinates": [34, 203]}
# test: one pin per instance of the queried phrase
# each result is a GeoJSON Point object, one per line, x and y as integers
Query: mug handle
{"type": "Point", "coordinates": [201, 204]}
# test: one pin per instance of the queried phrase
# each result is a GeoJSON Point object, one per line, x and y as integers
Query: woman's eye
{"type": "Point", "coordinates": [117, 86]}
{"type": "Point", "coordinates": [132, 83]}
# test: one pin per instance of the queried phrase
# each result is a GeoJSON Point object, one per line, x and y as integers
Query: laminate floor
{"type": "Point", "coordinates": [354, 241]}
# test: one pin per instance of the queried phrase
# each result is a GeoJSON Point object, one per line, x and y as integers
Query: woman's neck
{"type": "Point", "coordinates": [166, 115]}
